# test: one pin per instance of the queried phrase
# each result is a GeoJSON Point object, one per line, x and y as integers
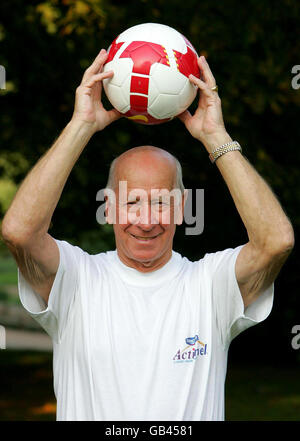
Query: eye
{"type": "Point", "coordinates": [160, 205]}
{"type": "Point", "coordinates": [132, 203]}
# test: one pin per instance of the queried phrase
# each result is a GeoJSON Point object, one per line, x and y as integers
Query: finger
{"type": "Point", "coordinates": [98, 77]}
{"type": "Point", "coordinates": [99, 61]}
{"type": "Point", "coordinates": [96, 66]}
{"type": "Point", "coordinates": [206, 71]}
{"type": "Point", "coordinates": [204, 87]}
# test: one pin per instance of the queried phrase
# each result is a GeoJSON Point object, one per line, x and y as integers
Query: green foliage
{"type": "Point", "coordinates": [8, 271]}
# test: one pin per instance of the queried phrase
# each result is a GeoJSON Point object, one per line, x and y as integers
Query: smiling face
{"type": "Point", "coordinates": [145, 240]}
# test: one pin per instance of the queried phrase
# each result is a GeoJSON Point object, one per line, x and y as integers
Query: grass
{"type": "Point", "coordinates": [256, 393]}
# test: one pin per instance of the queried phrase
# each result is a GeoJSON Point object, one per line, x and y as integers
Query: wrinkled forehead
{"type": "Point", "coordinates": [146, 170]}
{"type": "Point", "coordinates": [159, 195]}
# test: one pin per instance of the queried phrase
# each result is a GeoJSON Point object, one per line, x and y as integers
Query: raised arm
{"type": "Point", "coordinates": [270, 232]}
{"type": "Point", "coordinates": [26, 223]}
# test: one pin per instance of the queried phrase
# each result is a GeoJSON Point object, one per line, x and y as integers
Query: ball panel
{"type": "Point", "coordinates": [165, 106]}
{"type": "Point", "coordinates": [138, 103]}
{"type": "Point", "coordinates": [154, 33]}
{"type": "Point", "coordinates": [166, 80]}
{"type": "Point", "coordinates": [118, 99]}
{"type": "Point", "coordinates": [153, 92]}
{"type": "Point", "coordinates": [139, 84]}
{"type": "Point", "coordinates": [187, 95]}
{"type": "Point", "coordinates": [113, 49]}
{"type": "Point", "coordinates": [122, 70]}
{"type": "Point", "coordinates": [144, 55]}
{"type": "Point", "coordinates": [187, 63]}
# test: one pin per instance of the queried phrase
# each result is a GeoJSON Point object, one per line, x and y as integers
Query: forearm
{"type": "Point", "coordinates": [32, 208]}
{"type": "Point", "coordinates": [267, 225]}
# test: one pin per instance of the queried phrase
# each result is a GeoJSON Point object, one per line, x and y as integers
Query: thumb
{"type": "Point", "coordinates": [185, 116]}
{"type": "Point", "coordinates": [113, 115]}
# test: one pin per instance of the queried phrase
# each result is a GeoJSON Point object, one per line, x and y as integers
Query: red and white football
{"type": "Point", "coordinates": [151, 64]}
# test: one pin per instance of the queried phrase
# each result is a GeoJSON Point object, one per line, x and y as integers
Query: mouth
{"type": "Point", "coordinates": [143, 238]}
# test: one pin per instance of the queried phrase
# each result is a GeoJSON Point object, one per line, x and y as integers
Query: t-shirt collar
{"type": "Point", "coordinates": [135, 277]}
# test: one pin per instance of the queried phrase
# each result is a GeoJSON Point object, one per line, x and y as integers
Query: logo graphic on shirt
{"type": "Point", "coordinates": [194, 349]}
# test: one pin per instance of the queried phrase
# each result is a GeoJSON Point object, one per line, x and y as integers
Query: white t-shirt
{"type": "Point", "coordinates": [130, 346]}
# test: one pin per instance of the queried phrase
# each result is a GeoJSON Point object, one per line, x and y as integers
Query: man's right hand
{"type": "Point", "coordinates": [88, 104]}
{"type": "Point", "coordinates": [25, 225]}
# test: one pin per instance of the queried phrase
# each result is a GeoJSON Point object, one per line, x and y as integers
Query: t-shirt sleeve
{"type": "Point", "coordinates": [231, 316]}
{"type": "Point", "coordinates": [55, 316]}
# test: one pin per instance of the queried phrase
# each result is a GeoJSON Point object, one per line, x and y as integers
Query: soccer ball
{"type": "Point", "coordinates": [151, 64]}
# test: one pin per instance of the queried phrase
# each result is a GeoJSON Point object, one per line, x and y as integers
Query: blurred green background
{"type": "Point", "coordinates": [251, 48]}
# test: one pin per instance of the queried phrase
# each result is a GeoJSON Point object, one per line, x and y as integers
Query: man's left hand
{"type": "Point", "coordinates": [207, 123]}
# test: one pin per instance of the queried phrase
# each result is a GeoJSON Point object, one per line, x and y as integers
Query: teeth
{"type": "Point", "coordinates": [144, 238]}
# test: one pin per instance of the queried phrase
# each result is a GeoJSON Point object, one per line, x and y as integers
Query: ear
{"type": "Point", "coordinates": [180, 208]}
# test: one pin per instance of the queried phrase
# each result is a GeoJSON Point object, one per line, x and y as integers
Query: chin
{"type": "Point", "coordinates": [145, 256]}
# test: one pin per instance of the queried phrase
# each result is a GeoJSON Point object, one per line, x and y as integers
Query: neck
{"type": "Point", "coordinates": [145, 266]}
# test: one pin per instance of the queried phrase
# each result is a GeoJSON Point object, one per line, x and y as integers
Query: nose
{"type": "Point", "coordinates": [146, 227]}
{"type": "Point", "coordinates": [146, 219]}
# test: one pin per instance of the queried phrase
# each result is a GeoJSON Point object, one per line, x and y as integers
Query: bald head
{"type": "Point", "coordinates": [144, 161]}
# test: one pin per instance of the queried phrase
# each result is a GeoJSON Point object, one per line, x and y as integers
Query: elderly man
{"type": "Point", "coordinates": [142, 333]}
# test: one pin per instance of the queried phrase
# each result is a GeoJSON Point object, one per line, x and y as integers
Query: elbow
{"type": "Point", "coordinates": [19, 234]}
{"type": "Point", "coordinates": [283, 243]}
{"type": "Point", "coordinates": [288, 246]}
{"type": "Point", "coordinates": [12, 235]}
{"type": "Point", "coordinates": [288, 239]}
{"type": "Point", "coordinates": [5, 232]}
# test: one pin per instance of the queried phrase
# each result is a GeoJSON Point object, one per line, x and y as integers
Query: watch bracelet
{"type": "Point", "coordinates": [225, 148]}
